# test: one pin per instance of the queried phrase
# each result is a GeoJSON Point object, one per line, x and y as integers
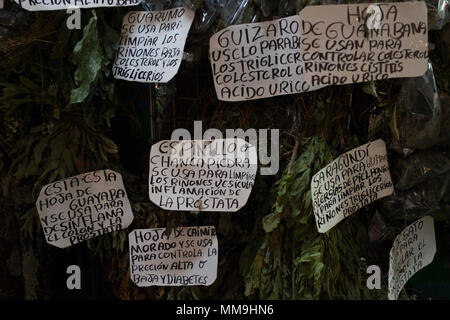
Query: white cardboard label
{"type": "Point", "coordinates": [202, 175]}
{"type": "Point", "coordinates": [187, 257]}
{"type": "Point", "coordinates": [413, 249]}
{"type": "Point", "coordinates": [258, 60]}
{"type": "Point", "coordinates": [151, 44]}
{"type": "Point", "coordinates": [82, 207]}
{"type": "Point", "coordinates": [46, 5]}
{"type": "Point", "coordinates": [352, 181]}
{"type": "Point", "coordinates": [335, 49]}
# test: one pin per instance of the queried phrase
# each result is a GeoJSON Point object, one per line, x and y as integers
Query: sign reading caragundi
{"type": "Point", "coordinates": [352, 181]}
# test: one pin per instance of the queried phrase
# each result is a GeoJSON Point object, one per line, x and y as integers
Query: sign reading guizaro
{"type": "Point", "coordinates": [258, 60]}
{"type": "Point", "coordinates": [82, 207]}
{"type": "Point", "coordinates": [350, 182]}
{"type": "Point", "coordinates": [151, 44]}
{"type": "Point", "coordinates": [202, 175]}
{"type": "Point", "coordinates": [413, 249]}
{"type": "Point", "coordinates": [341, 44]}
{"type": "Point", "coordinates": [186, 257]}
{"type": "Point", "coordinates": [45, 5]}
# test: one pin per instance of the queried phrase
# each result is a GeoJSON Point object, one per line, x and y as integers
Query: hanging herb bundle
{"type": "Point", "coordinates": [294, 261]}
{"type": "Point", "coordinates": [62, 113]}
{"type": "Point", "coordinates": [58, 105]}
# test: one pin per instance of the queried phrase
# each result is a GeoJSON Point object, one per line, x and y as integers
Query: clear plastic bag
{"type": "Point", "coordinates": [377, 228]}
{"type": "Point", "coordinates": [420, 167]}
{"type": "Point", "coordinates": [416, 117]}
{"type": "Point", "coordinates": [403, 207]}
{"type": "Point", "coordinates": [438, 14]}
{"type": "Point", "coordinates": [249, 11]}
{"type": "Point", "coordinates": [206, 14]}
{"type": "Point", "coordinates": [231, 11]}
{"type": "Point", "coordinates": [425, 198]}
{"type": "Point", "coordinates": [155, 5]}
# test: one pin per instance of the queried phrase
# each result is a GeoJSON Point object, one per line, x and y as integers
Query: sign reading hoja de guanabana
{"type": "Point", "coordinates": [352, 181]}
{"type": "Point", "coordinates": [82, 207]}
{"type": "Point", "coordinates": [351, 43]}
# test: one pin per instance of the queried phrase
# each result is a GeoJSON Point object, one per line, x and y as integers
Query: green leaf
{"type": "Point", "coordinates": [270, 222]}
{"type": "Point", "coordinates": [88, 57]}
{"type": "Point", "coordinates": [370, 88]}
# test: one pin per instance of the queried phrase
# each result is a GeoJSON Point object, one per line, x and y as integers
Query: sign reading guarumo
{"type": "Point", "coordinates": [82, 207]}
{"type": "Point", "coordinates": [151, 44]}
{"type": "Point", "coordinates": [186, 257]}
{"type": "Point", "coordinates": [202, 175]}
{"type": "Point", "coordinates": [352, 181]}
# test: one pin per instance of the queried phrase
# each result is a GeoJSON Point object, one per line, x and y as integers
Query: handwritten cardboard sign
{"type": "Point", "coordinates": [151, 44]}
{"type": "Point", "coordinates": [258, 60]}
{"type": "Point", "coordinates": [186, 257]}
{"type": "Point", "coordinates": [352, 181]}
{"type": "Point", "coordinates": [202, 175]}
{"type": "Point", "coordinates": [46, 5]}
{"type": "Point", "coordinates": [344, 44]}
{"type": "Point", "coordinates": [413, 249]}
{"type": "Point", "coordinates": [82, 207]}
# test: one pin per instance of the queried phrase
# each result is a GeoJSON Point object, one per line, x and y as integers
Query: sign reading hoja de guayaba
{"type": "Point", "coordinates": [83, 207]}
{"type": "Point", "coordinates": [186, 257]}
{"type": "Point", "coordinates": [202, 175]}
{"type": "Point", "coordinates": [350, 182]}
{"type": "Point", "coordinates": [352, 43]}
{"type": "Point", "coordinates": [45, 5]}
{"type": "Point", "coordinates": [151, 44]}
